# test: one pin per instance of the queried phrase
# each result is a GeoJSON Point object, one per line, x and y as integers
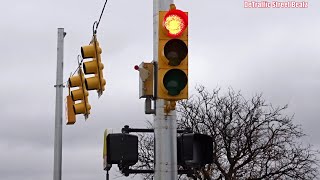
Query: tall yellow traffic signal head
{"type": "Point", "coordinates": [91, 50]}
{"type": "Point", "coordinates": [95, 66]}
{"type": "Point", "coordinates": [172, 80]}
{"type": "Point", "coordinates": [79, 94]}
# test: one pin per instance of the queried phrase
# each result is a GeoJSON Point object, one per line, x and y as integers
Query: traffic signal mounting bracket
{"type": "Point", "coordinates": [113, 143]}
{"type": "Point", "coordinates": [169, 106]}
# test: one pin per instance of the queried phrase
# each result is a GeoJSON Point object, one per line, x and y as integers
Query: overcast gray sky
{"type": "Point", "coordinates": [270, 51]}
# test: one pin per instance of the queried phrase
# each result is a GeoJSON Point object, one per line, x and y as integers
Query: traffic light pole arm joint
{"type": "Point", "coordinates": [59, 85]}
{"type": "Point", "coordinates": [150, 171]}
{"type": "Point", "coordinates": [127, 129]}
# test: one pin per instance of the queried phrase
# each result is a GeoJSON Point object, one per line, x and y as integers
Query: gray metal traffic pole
{"type": "Point", "coordinates": [58, 114]}
{"type": "Point", "coordinates": [165, 125]}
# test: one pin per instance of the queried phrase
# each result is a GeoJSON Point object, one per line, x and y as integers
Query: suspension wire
{"type": "Point", "coordinates": [80, 61]}
{"type": "Point", "coordinates": [97, 23]}
{"type": "Point", "coordinates": [95, 28]}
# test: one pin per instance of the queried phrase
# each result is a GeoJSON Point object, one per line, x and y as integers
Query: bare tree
{"type": "Point", "coordinates": [252, 139]}
{"type": "Point", "coordinates": [146, 152]}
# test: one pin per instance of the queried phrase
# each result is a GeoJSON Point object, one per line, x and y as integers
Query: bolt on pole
{"type": "Point", "coordinates": [165, 125]}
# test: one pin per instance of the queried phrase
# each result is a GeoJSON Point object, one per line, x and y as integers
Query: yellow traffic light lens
{"type": "Point", "coordinates": [88, 51]}
{"type": "Point", "coordinates": [92, 83]}
{"type": "Point", "coordinates": [175, 51]}
{"type": "Point", "coordinates": [74, 81]}
{"type": "Point", "coordinates": [81, 108]}
{"type": "Point", "coordinates": [77, 94]}
{"type": "Point", "coordinates": [175, 80]}
{"type": "Point", "coordinates": [90, 67]}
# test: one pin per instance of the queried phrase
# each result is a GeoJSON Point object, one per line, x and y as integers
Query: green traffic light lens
{"type": "Point", "coordinates": [175, 80]}
{"type": "Point", "coordinates": [175, 50]}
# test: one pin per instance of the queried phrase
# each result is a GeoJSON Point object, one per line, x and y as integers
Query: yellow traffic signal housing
{"type": "Point", "coordinates": [172, 79]}
{"type": "Point", "coordinates": [79, 94]}
{"type": "Point", "coordinates": [71, 117]}
{"type": "Point", "coordinates": [95, 66]}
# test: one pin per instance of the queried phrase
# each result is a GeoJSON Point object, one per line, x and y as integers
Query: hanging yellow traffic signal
{"type": "Point", "coordinates": [173, 55]}
{"type": "Point", "coordinates": [95, 66]}
{"type": "Point", "coordinates": [79, 95]}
